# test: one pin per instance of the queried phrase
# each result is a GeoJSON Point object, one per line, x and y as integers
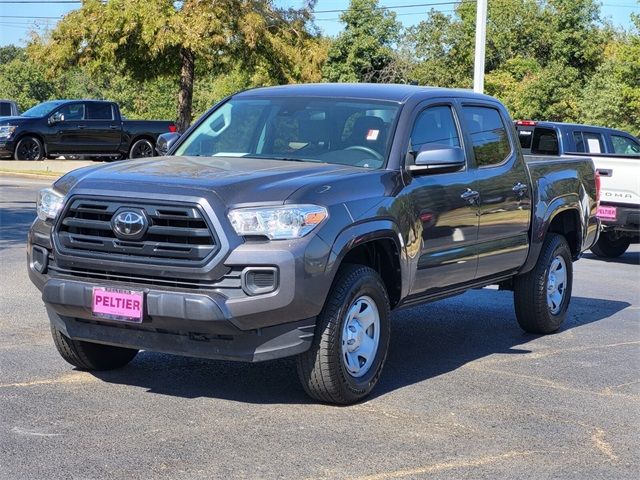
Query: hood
{"type": "Point", "coordinates": [15, 120]}
{"type": "Point", "coordinates": [235, 180]}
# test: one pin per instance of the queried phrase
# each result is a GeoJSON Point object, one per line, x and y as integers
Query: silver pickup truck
{"type": "Point", "coordinates": [616, 156]}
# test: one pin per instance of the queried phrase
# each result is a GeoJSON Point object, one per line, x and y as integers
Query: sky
{"type": "Point", "coordinates": [21, 16]}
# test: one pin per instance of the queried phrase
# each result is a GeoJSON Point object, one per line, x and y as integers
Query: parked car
{"type": "Point", "coordinates": [8, 108]}
{"type": "Point", "coordinates": [79, 128]}
{"type": "Point", "coordinates": [291, 220]}
{"type": "Point", "coordinates": [616, 155]}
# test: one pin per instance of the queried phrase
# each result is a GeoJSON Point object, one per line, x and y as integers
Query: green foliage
{"type": "Point", "coordinates": [365, 47]}
{"type": "Point", "coordinates": [24, 82]}
{"type": "Point", "coordinates": [546, 59]}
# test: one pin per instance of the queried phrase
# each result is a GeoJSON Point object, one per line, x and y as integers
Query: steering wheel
{"type": "Point", "coordinates": [370, 151]}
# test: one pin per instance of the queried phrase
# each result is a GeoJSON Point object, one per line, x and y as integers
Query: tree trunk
{"type": "Point", "coordinates": [185, 95]}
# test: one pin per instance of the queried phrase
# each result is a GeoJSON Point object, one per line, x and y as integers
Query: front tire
{"type": "Point", "coordinates": [542, 296]}
{"type": "Point", "coordinates": [142, 148]}
{"type": "Point", "coordinates": [351, 340]}
{"type": "Point", "coordinates": [610, 246]}
{"type": "Point", "coordinates": [29, 148]}
{"type": "Point", "coordinates": [91, 356]}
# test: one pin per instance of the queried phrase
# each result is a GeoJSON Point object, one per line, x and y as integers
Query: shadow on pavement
{"type": "Point", "coordinates": [426, 341]}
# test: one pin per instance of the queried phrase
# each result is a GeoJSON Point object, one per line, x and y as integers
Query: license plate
{"type": "Point", "coordinates": [117, 304]}
{"type": "Point", "coordinates": [607, 213]}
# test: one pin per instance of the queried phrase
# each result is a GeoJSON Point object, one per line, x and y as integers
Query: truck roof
{"type": "Point", "coordinates": [390, 92]}
{"type": "Point", "coordinates": [562, 125]}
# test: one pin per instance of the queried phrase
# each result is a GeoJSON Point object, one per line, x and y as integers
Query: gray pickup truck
{"type": "Point", "coordinates": [291, 220]}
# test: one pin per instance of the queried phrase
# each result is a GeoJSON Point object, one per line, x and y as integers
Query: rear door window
{"type": "Point", "coordinates": [489, 135]}
{"type": "Point", "coordinates": [625, 145]}
{"type": "Point", "coordinates": [99, 111]}
{"type": "Point", "coordinates": [588, 142]}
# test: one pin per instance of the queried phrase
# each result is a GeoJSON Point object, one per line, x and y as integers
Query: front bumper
{"type": "Point", "coordinates": [6, 148]}
{"type": "Point", "coordinates": [219, 321]}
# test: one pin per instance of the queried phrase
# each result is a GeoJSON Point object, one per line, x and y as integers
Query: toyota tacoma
{"type": "Point", "coordinates": [290, 221]}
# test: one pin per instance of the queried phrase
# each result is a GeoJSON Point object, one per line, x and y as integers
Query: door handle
{"type": "Point", "coordinates": [113, 127]}
{"type": "Point", "coordinates": [520, 189]}
{"type": "Point", "coordinates": [81, 127]}
{"type": "Point", "coordinates": [470, 196]}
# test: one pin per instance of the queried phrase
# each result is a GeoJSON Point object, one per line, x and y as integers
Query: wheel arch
{"type": "Point", "coordinates": [34, 135]}
{"type": "Point", "coordinates": [141, 136]}
{"type": "Point", "coordinates": [563, 216]}
{"type": "Point", "coordinates": [378, 245]}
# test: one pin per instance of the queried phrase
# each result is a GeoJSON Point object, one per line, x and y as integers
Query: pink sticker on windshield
{"type": "Point", "coordinates": [372, 135]}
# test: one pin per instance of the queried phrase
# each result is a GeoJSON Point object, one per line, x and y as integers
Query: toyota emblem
{"type": "Point", "coordinates": [129, 224]}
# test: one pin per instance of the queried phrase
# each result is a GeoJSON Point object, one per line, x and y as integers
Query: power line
{"type": "Point", "coordinates": [382, 7]}
{"type": "Point", "coordinates": [31, 17]}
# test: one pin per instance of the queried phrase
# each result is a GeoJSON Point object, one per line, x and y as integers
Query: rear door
{"type": "Point", "coordinates": [446, 224]}
{"type": "Point", "coordinates": [102, 132]}
{"type": "Point", "coordinates": [503, 183]}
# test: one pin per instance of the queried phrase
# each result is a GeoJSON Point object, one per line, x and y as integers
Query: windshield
{"type": "Point", "coordinates": [42, 109]}
{"type": "Point", "coordinates": [348, 132]}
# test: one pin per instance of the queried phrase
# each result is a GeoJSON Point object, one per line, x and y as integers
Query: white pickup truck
{"type": "Point", "coordinates": [616, 156]}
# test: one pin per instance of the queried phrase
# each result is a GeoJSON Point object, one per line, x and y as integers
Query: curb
{"type": "Point", "coordinates": [42, 176]}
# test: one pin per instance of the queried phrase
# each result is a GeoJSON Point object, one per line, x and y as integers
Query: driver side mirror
{"type": "Point", "coordinates": [56, 118]}
{"type": "Point", "coordinates": [166, 141]}
{"type": "Point", "coordinates": [434, 157]}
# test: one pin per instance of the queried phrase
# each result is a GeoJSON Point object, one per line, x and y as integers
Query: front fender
{"type": "Point", "coordinates": [362, 233]}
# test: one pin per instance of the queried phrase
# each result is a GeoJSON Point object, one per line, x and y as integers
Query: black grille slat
{"type": "Point", "coordinates": [176, 232]}
{"type": "Point", "coordinates": [229, 281]}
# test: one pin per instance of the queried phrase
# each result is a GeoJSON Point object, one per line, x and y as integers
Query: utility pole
{"type": "Point", "coordinates": [481, 38]}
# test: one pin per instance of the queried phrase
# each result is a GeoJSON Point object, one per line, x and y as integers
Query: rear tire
{"type": "Point", "coordinates": [610, 246]}
{"type": "Point", "coordinates": [351, 339]}
{"type": "Point", "coordinates": [542, 296]}
{"type": "Point", "coordinates": [29, 148]}
{"type": "Point", "coordinates": [91, 356]}
{"type": "Point", "coordinates": [142, 148]}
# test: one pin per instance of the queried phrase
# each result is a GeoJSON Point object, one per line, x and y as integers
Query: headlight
{"type": "Point", "coordinates": [49, 203]}
{"type": "Point", "coordinates": [277, 223]}
{"type": "Point", "coordinates": [6, 131]}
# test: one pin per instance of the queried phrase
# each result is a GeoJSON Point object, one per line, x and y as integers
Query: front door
{"type": "Point", "coordinates": [68, 130]}
{"type": "Point", "coordinates": [447, 223]}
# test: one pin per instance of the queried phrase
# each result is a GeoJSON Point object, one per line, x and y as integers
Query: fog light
{"type": "Point", "coordinates": [39, 259]}
{"type": "Point", "coordinates": [259, 280]}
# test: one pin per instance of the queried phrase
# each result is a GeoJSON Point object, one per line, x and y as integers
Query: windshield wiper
{"type": "Point", "coordinates": [284, 159]}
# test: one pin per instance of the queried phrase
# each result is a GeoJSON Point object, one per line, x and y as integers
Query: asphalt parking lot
{"type": "Point", "coordinates": [465, 394]}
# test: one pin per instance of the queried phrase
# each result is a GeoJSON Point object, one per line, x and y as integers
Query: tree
{"type": "Point", "coordinates": [152, 38]}
{"type": "Point", "coordinates": [365, 47]}
{"type": "Point", "coordinates": [612, 95]}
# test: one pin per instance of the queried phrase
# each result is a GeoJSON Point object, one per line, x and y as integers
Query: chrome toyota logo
{"type": "Point", "coordinates": [129, 224]}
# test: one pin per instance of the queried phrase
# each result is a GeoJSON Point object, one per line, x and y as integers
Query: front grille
{"type": "Point", "coordinates": [177, 233]}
